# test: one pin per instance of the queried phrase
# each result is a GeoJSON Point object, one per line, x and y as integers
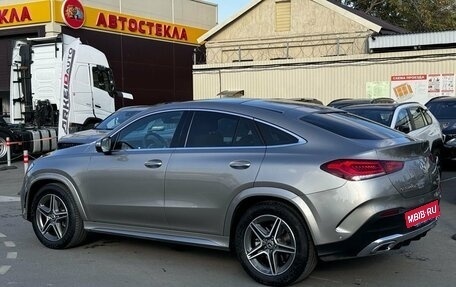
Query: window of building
{"type": "Point", "coordinates": [283, 15]}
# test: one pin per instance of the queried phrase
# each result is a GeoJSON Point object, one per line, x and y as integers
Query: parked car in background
{"type": "Point", "coordinates": [279, 183]}
{"type": "Point", "coordinates": [444, 109]}
{"type": "Point", "coordinates": [341, 103]}
{"type": "Point", "coordinates": [411, 118]}
{"type": "Point", "coordinates": [101, 129]}
{"type": "Point", "coordinates": [308, 100]}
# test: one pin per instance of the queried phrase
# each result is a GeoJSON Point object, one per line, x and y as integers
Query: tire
{"type": "Point", "coordinates": [271, 230]}
{"type": "Point", "coordinates": [55, 218]}
{"type": "Point", "coordinates": [3, 137]}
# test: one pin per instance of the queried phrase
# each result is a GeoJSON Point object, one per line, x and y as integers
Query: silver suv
{"type": "Point", "coordinates": [280, 183]}
{"type": "Point", "coordinates": [411, 118]}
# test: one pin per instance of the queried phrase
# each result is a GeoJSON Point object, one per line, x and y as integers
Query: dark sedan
{"type": "Point", "coordinates": [444, 109]}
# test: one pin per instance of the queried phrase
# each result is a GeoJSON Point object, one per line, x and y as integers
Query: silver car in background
{"type": "Point", "coordinates": [280, 183]}
{"type": "Point", "coordinates": [100, 130]}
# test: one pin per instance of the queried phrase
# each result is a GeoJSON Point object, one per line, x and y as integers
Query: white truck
{"type": "Point", "coordinates": [58, 86]}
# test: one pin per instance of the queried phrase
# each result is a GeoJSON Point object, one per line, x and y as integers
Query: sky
{"type": "Point", "coordinates": [227, 8]}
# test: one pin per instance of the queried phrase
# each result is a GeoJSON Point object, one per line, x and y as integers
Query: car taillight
{"type": "Point", "coordinates": [359, 169]}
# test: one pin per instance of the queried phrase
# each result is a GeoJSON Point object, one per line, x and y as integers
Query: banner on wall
{"type": "Point", "coordinates": [378, 89]}
{"type": "Point", "coordinates": [421, 88]}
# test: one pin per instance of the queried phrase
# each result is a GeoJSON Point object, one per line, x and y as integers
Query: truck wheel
{"type": "Point", "coordinates": [3, 137]}
{"type": "Point", "coordinates": [55, 217]}
{"type": "Point", "coordinates": [274, 245]}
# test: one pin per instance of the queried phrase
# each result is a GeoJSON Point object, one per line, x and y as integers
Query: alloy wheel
{"type": "Point", "coordinates": [270, 245]}
{"type": "Point", "coordinates": [52, 217]}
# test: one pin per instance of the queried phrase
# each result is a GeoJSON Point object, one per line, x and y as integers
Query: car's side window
{"type": "Point", "coordinates": [212, 129]}
{"type": "Point", "coordinates": [247, 134]}
{"type": "Point", "coordinates": [403, 122]}
{"type": "Point", "coordinates": [428, 117]}
{"type": "Point", "coordinates": [154, 131]}
{"type": "Point", "coordinates": [274, 136]}
{"type": "Point", "coordinates": [418, 118]}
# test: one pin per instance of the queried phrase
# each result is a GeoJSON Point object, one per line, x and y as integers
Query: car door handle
{"type": "Point", "coordinates": [240, 164]}
{"type": "Point", "coordinates": [98, 106]}
{"type": "Point", "coordinates": [155, 163]}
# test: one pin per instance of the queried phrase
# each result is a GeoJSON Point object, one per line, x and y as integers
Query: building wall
{"type": "Point", "coordinates": [314, 31]}
{"type": "Point", "coordinates": [323, 78]}
{"type": "Point", "coordinates": [324, 55]}
{"type": "Point", "coordinates": [153, 71]}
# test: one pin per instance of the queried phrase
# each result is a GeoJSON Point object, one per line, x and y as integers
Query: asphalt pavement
{"type": "Point", "coordinates": [10, 180]}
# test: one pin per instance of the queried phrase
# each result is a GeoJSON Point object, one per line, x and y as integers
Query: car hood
{"type": "Point", "coordinates": [84, 136]}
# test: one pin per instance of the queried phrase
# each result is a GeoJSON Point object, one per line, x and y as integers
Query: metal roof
{"type": "Point", "coordinates": [415, 40]}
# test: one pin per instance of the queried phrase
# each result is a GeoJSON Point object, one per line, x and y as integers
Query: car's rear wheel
{"type": "Point", "coordinates": [55, 217]}
{"type": "Point", "coordinates": [273, 244]}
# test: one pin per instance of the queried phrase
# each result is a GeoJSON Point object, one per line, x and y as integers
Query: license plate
{"type": "Point", "coordinates": [422, 214]}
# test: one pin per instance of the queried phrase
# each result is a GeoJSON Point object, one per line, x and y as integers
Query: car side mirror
{"type": "Point", "coordinates": [403, 129]}
{"type": "Point", "coordinates": [104, 145]}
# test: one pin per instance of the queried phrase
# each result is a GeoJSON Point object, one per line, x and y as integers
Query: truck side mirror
{"type": "Point", "coordinates": [104, 145]}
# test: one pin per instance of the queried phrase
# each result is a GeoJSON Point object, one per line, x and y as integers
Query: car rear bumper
{"type": "Point", "coordinates": [378, 235]}
{"type": "Point", "coordinates": [395, 241]}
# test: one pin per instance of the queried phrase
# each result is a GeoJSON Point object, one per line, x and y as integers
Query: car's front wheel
{"type": "Point", "coordinates": [273, 244]}
{"type": "Point", "coordinates": [55, 218]}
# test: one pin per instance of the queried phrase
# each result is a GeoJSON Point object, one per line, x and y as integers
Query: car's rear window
{"type": "Point", "coordinates": [445, 110]}
{"type": "Point", "coordinates": [381, 116]}
{"type": "Point", "coordinates": [351, 126]}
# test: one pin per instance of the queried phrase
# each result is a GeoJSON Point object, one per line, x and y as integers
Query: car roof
{"type": "Point", "coordinates": [247, 106]}
{"type": "Point", "coordinates": [352, 101]}
{"type": "Point", "coordinates": [348, 101]}
{"type": "Point", "coordinates": [380, 106]}
{"type": "Point", "coordinates": [442, 99]}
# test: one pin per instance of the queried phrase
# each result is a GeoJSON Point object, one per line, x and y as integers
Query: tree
{"type": "Point", "coordinates": [412, 15]}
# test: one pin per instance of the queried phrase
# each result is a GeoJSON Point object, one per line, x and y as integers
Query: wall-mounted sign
{"type": "Point", "coordinates": [73, 13]}
{"type": "Point", "coordinates": [98, 19]}
{"type": "Point", "coordinates": [422, 88]}
{"type": "Point", "coordinates": [25, 14]}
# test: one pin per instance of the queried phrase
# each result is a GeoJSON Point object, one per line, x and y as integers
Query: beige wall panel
{"type": "Point", "coordinates": [307, 17]}
{"type": "Point", "coordinates": [315, 31]}
{"type": "Point", "coordinates": [155, 9]}
{"type": "Point", "coordinates": [195, 14]}
{"type": "Point", "coordinates": [113, 5]}
{"type": "Point", "coordinates": [324, 82]}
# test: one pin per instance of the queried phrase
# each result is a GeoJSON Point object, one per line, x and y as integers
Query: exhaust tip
{"type": "Point", "coordinates": [384, 247]}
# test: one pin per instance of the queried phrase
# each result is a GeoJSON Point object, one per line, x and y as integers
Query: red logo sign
{"type": "Point", "coordinates": [73, 13]}
{"type": "Point", "coordinates": [422, 214]}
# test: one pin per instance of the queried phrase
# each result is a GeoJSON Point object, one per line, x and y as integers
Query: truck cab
{"type": "Point", "coordinates": [59, 76]}
{"type": "Point", "coordinates": [58, 86]}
